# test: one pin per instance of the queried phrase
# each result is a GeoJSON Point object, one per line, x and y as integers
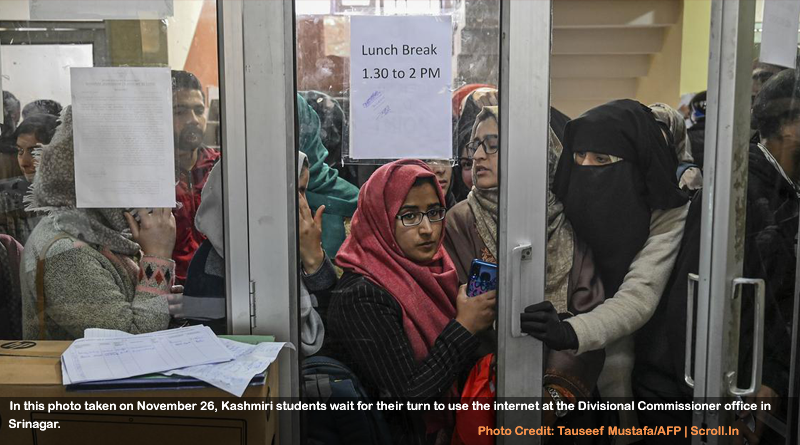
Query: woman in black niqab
{"type": "Point", "coordinates": [616, 179]}
{"type": "Point", "coordinates": [610, 205]}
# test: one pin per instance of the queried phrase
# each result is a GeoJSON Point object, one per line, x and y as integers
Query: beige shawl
{"type": "Point", "coordinates": [560, 239]}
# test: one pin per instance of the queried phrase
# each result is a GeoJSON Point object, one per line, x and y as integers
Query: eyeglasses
{"type": "Point", "coordinates": [411, 219]}
{"type": "Point", "coordinates": [465, 163]}
{"type": "Point", "coordinates": [489, 144]}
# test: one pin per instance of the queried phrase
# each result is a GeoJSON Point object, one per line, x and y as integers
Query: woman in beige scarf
{"type": "Point", "coordinates": [572, 285]}
{"type": "Point", "coordinates": [472, 224]}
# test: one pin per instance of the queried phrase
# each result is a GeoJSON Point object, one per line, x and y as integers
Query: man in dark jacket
{"type": "Point", "coordinates": [697, 132]}
{"type": "Point", "coordinates": [193, 162]}
{"type": "Point", "coordinates": [771, 227]}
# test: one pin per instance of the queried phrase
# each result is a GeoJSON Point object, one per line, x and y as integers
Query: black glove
{"type": "Point", "coordinates": [542, 322]}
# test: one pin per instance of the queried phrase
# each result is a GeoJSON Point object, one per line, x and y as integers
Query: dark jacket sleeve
{"type": "Point", "coordinates": [321, 283]}
{"type": "Point", "coordinates": [323, 279]}
{"type": "Point", "coordinates": [769, 247]}
{"type": "Point", "coordinates": [367, 322]}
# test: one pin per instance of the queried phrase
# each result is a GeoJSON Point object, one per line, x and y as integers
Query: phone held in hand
{"type": "Point", "coordinates": [482, 278]}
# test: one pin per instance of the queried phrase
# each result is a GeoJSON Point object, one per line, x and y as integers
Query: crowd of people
{"type": "Point", "coordinates": [385, 253]}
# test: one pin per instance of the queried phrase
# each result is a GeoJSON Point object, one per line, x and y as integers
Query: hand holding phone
{"type": "Point", "coordinates": [476, 313]}
{"type": "Point", "coordinates": [482, 278]}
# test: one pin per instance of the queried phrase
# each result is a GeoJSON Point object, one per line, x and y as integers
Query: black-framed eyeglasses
{"type": "Point", "coordinates": [490, 145]}
{"type": "Point", "coordinates": [465, 163]}
{"type": "Point", "coordinates": [411, 219]}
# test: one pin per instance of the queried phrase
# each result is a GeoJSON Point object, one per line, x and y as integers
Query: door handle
{"type": "Point", "coordinates": [687, 367]}
{"type": "Point", "coordinates": [758, 338]}
{"type": "Point", "coordinates": [519, 255]}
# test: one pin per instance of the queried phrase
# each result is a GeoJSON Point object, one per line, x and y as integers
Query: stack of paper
{"type": "Point", "coordinates": [195, 351]}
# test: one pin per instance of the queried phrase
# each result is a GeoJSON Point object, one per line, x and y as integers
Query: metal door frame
{"type": "Point", "coordinates": [525, 31]}
{"type": "Point", "coordinates": [724, 201]}
{"type": "Point", "coordinates": [233, 163]}
{"type": "Point", "coordinates": [269, 122]}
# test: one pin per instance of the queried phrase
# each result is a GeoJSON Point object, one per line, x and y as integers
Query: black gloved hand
{"type": "Point", "coordinates": [542, 322]}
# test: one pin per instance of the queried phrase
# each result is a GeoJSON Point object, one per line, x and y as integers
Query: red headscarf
{"type": "Point", "coordinates": [460, 94]}
{"type": "Point", "coordinates": [426, 292]}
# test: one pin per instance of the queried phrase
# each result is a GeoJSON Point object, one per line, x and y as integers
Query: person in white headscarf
{"type": "Point", "coordinates": [92, 268]}
{"type": "Point", "coordinates": [205, 283]}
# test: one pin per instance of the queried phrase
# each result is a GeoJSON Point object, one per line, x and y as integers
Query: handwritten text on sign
{"type": "Point", "coordinates": [400, 78]}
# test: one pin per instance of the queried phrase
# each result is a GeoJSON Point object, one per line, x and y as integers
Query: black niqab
{"type": "Point", "coordinates": [610, 205]}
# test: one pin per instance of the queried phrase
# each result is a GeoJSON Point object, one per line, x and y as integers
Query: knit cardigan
{"type": "Point", "coordinates": [86, 287]}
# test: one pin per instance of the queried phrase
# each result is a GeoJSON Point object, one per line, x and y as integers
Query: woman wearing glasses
{"type": "Point", "coordinates": [443, 170]}
{"type": "Point", "coordinates": [572, 286]}
{"type": "Point", "coordinates": [472, 224]}
{"type": "Point", "coordinates": [398, 317]}
{"type": "Point", "coordinates": [468, 101]}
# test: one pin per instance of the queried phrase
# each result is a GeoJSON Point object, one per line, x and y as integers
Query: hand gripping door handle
{"type": "Point", "coordinates": [687, 367]}
{"type": "Point", "coordinates": [758, 338]}
{"type": "Point", "coordinates": [521, 253]}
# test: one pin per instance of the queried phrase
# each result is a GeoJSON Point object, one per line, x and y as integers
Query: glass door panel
{"type": "Point", "coordinates": [330, 81]}
{"type": "Point", "coordinates": [747, 288]}
{"type": "Point", "coordinates": [37, 57]}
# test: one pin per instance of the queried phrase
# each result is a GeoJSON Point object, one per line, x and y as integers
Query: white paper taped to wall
{"type": "Point", "coordinates": [400, 83]}
{"type": "Point", "coordinates": [779, 32]}
{"type": "Point", "coordinates": [124, 156]}
{"type": "Point", "coordinates": [101, 10]}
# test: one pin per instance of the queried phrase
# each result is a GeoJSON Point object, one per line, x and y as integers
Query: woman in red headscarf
{"type": "Point", "coordinates": [398, 318]}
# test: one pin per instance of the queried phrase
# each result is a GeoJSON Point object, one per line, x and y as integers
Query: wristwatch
{"type": "Point", "coordinates": [560, 404]}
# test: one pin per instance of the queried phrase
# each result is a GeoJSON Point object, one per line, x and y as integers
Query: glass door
{"type": "Point", "coordinates": [42, 46]}
{"type": "Point", "coordinates": [332, 71]}
{"type": "Point", "coordinates": [744, 366]}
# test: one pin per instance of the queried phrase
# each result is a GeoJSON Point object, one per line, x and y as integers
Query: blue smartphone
{"type": "Point", "coordinates": [482, 278]}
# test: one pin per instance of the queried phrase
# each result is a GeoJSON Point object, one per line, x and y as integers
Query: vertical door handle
{"type": "Point", "coordinates": [519, 255]}
{"type": "Point", "coordinates": [687, 367]}
{"type": "Point", "coordinates": [758, 337]}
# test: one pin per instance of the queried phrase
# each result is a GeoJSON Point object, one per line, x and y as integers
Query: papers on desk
{"type": "Point", "coordinates": [94, 359]}
{"type": "Point", "coordinates": [105, 354]}
{"type": "Point", "coordinates": [235, 375]}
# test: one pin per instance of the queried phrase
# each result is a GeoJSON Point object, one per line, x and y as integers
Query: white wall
{"type": "Point", "coordinates": [14, 9]}
{"type": "Point", "coordinates": [180, 31]}
{"type": "Point", "coordinates": [41, 71]}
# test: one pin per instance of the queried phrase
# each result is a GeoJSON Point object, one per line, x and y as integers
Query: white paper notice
{"type": "Point", "coordinates": [122, 120]}
{"type": "Point", "coordinates": [779, 32]}
{"type": "Point", "coordinates": [100, 10]}
{"type": "Point", "coordinates": [400, 83]}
